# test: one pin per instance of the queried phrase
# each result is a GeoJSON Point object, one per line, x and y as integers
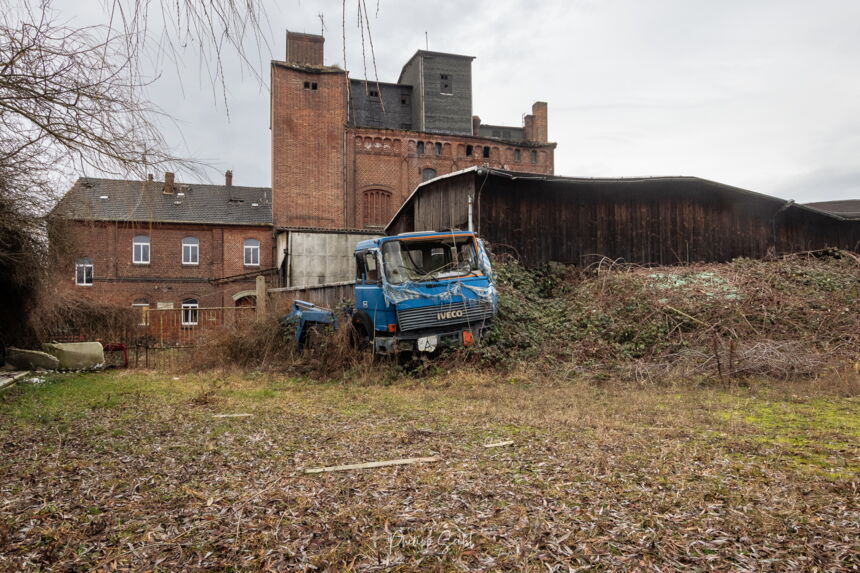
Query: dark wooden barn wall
{"type": "Point", "coordinates": [652, 221]}
{"type": "Point", "coordinates": [437, 207]}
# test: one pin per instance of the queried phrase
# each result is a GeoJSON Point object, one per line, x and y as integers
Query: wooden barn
{"type": "Point", "coordinates": [651, 220]}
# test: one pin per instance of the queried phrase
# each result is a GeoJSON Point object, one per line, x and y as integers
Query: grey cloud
{"type": "Point", "coordinates": [762, 95]}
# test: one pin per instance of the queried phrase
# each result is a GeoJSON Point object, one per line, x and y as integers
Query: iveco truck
{"type": "Point", "coordinates": [414, 292]}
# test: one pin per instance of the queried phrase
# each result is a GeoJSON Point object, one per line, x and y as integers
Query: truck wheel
{"type": "Point", "coordinates": [359, 338]}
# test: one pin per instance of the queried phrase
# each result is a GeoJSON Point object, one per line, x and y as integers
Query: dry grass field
{"type": "Point", "coordinates": [135, 471]}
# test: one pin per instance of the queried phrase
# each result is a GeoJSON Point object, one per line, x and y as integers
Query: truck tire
{"type": "Point", "coordinates": [360, 331]}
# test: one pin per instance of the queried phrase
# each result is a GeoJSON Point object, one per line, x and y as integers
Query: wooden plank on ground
{"type": "Point", "coordinates": [499, 444]}
{"type": "Point", "coordinates": [232, 415]}
{"type": "Point", "coordinates": [366, 465]}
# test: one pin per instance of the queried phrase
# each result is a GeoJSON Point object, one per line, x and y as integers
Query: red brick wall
{"type": "Point", "coordinates": [118, 281]}
{"type": "Point", "coordinates": [388, 160]}
{"type": "Point", "coordinates": [329, 176]}
{"type": "Point", "coordinates": [305, 48]}
{"type": "Point", "coordinates": [308, 147]}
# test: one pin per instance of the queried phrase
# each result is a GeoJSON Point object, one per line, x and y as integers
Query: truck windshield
{"type": "Point", "coordinates": [430, 258]}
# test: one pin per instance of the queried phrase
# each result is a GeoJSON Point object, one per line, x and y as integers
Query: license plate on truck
{"type": "Point", "coordinates": [428, 343]}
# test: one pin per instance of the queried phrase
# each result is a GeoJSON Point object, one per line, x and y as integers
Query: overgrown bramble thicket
{"type": "Point", "coordinates": [781, 317]}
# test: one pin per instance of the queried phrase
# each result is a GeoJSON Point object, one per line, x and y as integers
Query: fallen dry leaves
{"type": "Point", "coordinates": [605, 479]}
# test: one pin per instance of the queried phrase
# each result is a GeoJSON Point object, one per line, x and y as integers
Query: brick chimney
{"type": "Point", "coordinates": [476, 125]}
{"type": "Point", "coordinates": [305, 49]}
{"type": "Point", "coordinates": [150, 177]}
{"type": "Point", "coordinates": [228, 178]}
{"type": "Point", "coordinates": [539, 125]}
{"type": "Point", "coordinates": [168, 183]}
{"type": "Point", "coordinates": [528, 127]}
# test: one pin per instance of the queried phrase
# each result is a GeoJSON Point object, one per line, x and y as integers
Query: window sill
{"type": "Point", "coordinates": [84, 285]}
{"type": "Point", "coordinates": [190, 264]}
{"type": "Point", "coordinates": [252, 266]}
{"type": "Point", "coordinates": [140, 264]}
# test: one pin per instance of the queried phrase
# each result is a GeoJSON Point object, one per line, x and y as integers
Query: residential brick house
{"type": "Point", "coordinates": [160, 244]}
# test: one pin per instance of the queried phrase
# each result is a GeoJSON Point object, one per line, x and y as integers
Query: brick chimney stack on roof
{"type": "Point", "coordinates": [305, 49]}
{"type": "Point", "coordinates": [228, 178]}
{"type": "Point", "coordinates": [476, 125]}
{"type": "Point", "coordinates": [149, 177]}
{"type": "Point", "coordinates": [168, 183]}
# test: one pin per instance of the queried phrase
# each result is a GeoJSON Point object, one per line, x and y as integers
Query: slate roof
{"type": "Point", "coordinates": [93, 199]}
{"type": "Point", "coordinates": [847, 209]}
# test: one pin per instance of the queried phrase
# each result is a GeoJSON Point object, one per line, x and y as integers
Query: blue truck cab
{"type": "Point", "coordinates": [420, 291]}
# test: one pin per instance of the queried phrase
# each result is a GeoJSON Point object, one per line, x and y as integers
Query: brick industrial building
{"type": "Point", "coordinates": [345, 154]}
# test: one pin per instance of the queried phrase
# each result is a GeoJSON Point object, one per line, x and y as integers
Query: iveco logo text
{"type": "Point", "coordinates": [449, 314]}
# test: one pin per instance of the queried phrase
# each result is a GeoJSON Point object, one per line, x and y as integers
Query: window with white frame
{"type": "Point", "coordinates": [84, 272]}
{"type": "Point", "coordinates": [189, 312]}
{"type": "Point", "coordinates": [141, 307]}
{"type": "Point", "coordinates": [140, 250]}
{"type": "Point", "coordinates": [190, 251]}
{"type": "Point", "coordinates": [252, 253]}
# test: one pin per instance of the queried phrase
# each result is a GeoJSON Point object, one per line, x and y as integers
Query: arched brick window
{"type": "Point", "coordinates": [377, 207]}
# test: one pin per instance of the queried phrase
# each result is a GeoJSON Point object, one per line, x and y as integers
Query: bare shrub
{"type": "Point", "coordinates": [62, 316]}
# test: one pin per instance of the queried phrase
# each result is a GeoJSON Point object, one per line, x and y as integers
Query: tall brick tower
{"type": "Point", "coordinates": [309, 114]}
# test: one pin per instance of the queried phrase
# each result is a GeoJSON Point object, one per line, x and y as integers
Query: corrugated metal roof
{"type": "Point", "coordinates": [144, 201]}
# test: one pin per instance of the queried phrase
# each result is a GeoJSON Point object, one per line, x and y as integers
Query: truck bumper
{"type": "Point", "coordinates": [427, 341]}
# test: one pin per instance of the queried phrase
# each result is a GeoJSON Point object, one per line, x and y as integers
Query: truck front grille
{"type": "Point", "coordinates": [444, 315]}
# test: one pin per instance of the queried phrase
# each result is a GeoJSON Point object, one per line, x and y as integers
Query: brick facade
{"type": "Point", "coordinates": [118, 281]}
{"type": "Point", "coordinates": [331, 172]}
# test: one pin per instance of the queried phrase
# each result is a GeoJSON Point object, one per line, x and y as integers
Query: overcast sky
{"type": "Point", "coordinates": [763, 95]}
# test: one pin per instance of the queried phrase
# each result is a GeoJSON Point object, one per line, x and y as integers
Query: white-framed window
{"type": "Point", "coordinates": [141, 306]}
{"type": "Point", "coordinates": [84, 272]}
{"type": "Point", "coordinates": [190, 251]}
{"type": "Point", "coordinates": [189, 312]}
{"type": "Point", "coordinates": [140, 250]}
{"type": "Point", "coordinates": [252, 253]}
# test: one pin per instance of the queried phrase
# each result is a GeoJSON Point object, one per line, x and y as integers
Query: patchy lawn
{"type": "Point", "coordinates": [123, 470]}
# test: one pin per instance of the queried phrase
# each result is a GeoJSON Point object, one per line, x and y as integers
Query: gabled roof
{"type": "Point", "coordinates": [846, 208]}
{"type": "Point", "coordinates": [92, 199]}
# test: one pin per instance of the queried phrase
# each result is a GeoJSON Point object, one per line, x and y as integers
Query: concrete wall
{"type": "Point", "coordinates": [315, 258]}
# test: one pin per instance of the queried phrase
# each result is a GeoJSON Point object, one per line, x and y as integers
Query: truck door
{"type": "Point", "coordinates": [369, 299]}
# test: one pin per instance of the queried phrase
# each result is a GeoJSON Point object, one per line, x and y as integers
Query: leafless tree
{"type": "Point", "coordinates": [72, 99]}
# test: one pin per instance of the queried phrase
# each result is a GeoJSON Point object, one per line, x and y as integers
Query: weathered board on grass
{"type": "Point", "coordinates": [400, 462]}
